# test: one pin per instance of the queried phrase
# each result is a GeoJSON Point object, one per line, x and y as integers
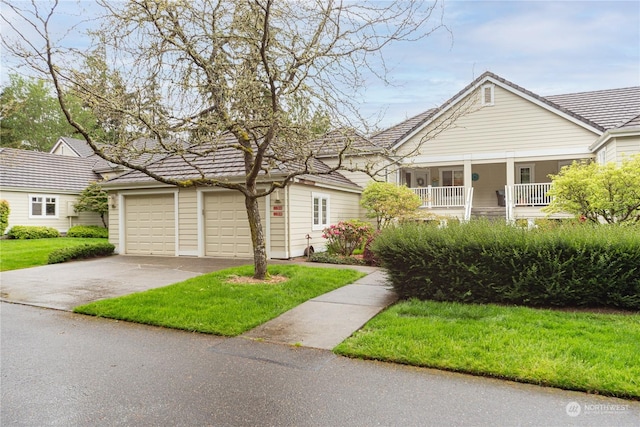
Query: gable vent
{"type": "Point", "coordinates": [487, 94]}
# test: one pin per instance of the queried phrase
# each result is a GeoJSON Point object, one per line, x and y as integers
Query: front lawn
{"type": "Point", "coordinates": [19, 253]}
{"type": "Point", "coordinates": [216, 303]}
{"type": "Point", "coordinates": [598, 353]}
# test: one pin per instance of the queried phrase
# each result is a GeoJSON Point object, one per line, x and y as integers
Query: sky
{"type": "Point", "coordinates": [547, 47]}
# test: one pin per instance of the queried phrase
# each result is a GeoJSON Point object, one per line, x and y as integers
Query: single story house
{"type": "Point", "coordinates": [488, 150]}
{"type": "Point", "coordinates": [152, 218]}
{"type": "Point", "coordinates": [41, 188]}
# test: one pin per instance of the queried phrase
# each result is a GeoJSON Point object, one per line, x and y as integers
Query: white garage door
{"type": "Point", "coordinates": [227, 231]}
{"type": "Point", "coordinates": [150, 225]}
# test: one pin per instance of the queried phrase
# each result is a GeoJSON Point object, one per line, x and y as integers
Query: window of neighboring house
{"type": "Point", "coordinates": [320, 211]}
{"type": "Point", "coordinates": [43, 206]}
{"type": "Point", "coordinates": [525, 174]}
{"type": "Point", "coordinates": [602, 156]}
{"type": "Point", "coordinates": [451, 177]}
{"type": "Point", "coordinates": [487, 94]}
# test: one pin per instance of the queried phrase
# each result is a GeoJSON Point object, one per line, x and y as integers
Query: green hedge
{"type": "Point", "coordinates": [80, 252]}
{"type": "Point", "coordinates": [32, 232]}
{"type": "Point", "coordinates": [578, 266]}
{"type": "Point", "coordinates": [88, 231]}
{"type": "Point", "coordinates": [326, 257]}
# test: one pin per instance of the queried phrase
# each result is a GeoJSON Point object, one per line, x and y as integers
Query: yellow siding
{"type": "Point", "coordinates": [19, 211]}
{"type": "Point", "coordinates": [114, 222]}
{"type": "Point", "coordinates": [512, 124]}
{"type": "Point", "coordinates": [342, 206]}
{"type": "Point", "coordinates": [625, 147]}
{"type": "Point", "coordinates": [278, 225]}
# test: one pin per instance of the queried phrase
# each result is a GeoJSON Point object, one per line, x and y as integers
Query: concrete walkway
{"type": "Point", "coordinates": [322, 322]}
{"type": "Point", "coordinates": [325, 321]}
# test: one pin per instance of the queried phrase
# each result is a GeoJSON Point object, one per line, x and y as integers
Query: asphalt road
{"type": "Point", "coordinates": [60, 368]}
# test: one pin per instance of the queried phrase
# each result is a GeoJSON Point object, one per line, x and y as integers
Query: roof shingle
{"type": "Point", "coordinates": [36, 170]}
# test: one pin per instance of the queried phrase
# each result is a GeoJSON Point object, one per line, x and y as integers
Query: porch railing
{"type": "Point", "coordinates": [531, 194]}
{"type": "Point", "coordinates": [441, 197]}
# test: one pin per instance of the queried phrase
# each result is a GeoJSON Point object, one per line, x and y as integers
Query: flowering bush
{"type": "Point", "coordinates": [345, 236]}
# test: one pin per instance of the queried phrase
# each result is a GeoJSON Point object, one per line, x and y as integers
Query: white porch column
{"type": "Point", "coordinates": [511, 170]}
{"type": "Point", "coordinates": [467, 171]}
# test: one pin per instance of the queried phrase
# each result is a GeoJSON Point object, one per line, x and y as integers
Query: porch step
{"type": "Point", "coordinates": [489, 212]}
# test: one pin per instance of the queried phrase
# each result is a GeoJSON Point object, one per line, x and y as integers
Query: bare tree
{"type": "Point", "coordinates": [208, 78]}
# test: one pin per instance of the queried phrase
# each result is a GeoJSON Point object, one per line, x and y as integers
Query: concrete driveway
{"type": "Point", "coordinates": [67, 285]}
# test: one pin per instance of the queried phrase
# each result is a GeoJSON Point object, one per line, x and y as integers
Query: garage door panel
{"type": "Point", "coordinates": [150, 224]}
{"type": "Point", "coordinates": [226, 228]}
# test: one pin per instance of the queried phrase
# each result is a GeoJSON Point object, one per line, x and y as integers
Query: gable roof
{"type": "Point", "coordinates": [78, 146]}
{"type": "Point", "coordinates": [598, 111]}
{"type": "Point", "coordinates": [34, 170]}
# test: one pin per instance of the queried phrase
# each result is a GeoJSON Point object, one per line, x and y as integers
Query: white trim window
{"type": "Point", "coordinates": [42, 206]}
{"type": "Point", "coordinates": [601, 157]}
{"type": "Point", "coordinates": [320, 211]}
{"type": "Point", "coordinates": [525, 174]}
{"type": "Point", "coordinates": [451, 177]}
{"type": "Point", "coordinates": [487, 94]}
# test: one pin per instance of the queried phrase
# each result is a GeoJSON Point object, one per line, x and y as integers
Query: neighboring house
{"type": "Point", "coordinates": [488, 150]}
{"type": "Point", "coordinates": [41, 188]}
{"type": "Point", "coordinates": [78, 148]}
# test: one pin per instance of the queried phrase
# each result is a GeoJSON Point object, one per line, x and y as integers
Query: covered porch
{"type": "Point", "coordinates": [509, 189]}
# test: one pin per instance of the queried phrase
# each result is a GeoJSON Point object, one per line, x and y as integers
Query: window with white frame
{"type": "Point", "coordinates": [451, 177]}
{"type": "Point", "coordinates": [487, 94]}
{"type": "Point", "coordinates": [320, 211]}
{"type": "Point", "coordinates": [42, 206]}
{"type": "Point", "coordinates": [525, 174]}
{"type": "Point", "coordinates": [601, 157]}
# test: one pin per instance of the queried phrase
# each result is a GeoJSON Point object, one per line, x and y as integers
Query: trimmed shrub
{"type": "Point", "coordinates": [88, 231]}
{"type": "Point", "coordinates": [81, 252]}
{"type": "Point", "coordinates": [4, 216]}
{"type": "Point", "coordinates": [326, 257]}
{"type": "Point", "coordinates": [575, 266]}
{"type": "Point", "coordinates": [32, 232]}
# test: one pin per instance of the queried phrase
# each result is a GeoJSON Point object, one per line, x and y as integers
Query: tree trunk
{"type": "Point", "coordinates": [257, 238]}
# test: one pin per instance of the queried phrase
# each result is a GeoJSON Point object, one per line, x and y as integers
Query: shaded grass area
{"type": "Point", "coordinates": [211, 304]}
{"type": "Point", "coordinates": [597, 353]}
{"type": "Point", "coordinates": [17, 254]}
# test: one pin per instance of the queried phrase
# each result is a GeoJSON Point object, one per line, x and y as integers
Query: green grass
{"type": "Point", "coordinates": [209, 304]}
{"type": "Point", "coordinates": [16, 254]}
{"type": "Point", "coordinates": [598, 353]}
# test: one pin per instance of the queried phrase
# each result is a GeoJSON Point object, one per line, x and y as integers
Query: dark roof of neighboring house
{"type": "Point", "coordinates": [388, 137]}
{"type": "Point", "coordinates": [602, 110]}
{"type": "Point", "coordinates": [609, 109]}
{"type": "Point", "coordinates": [222, 163]}
{"type": "Point", "coordinates": [44, 171]}
{"type": "Point", "coordinates": [632, 123]}
{"type": "Point", "coordinates": [79, 146]}
{"type": "Point", "coordinates": [334, 141]}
